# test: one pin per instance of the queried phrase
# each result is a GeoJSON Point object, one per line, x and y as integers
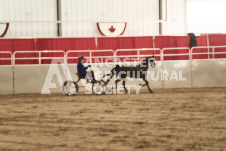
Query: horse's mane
{"type": "Point", "coordinates": [146, 63]}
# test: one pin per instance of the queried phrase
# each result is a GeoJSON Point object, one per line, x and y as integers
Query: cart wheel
{"type": "Point", "coordinates": [70, 88]}
{"type": "Point", "coordinates": [99, 87]}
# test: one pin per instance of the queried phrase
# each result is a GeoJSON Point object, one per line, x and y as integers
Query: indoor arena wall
{"type": "Point", "coordinates": [198, 73]}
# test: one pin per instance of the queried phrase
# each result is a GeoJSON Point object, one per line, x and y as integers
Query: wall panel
{"type": "Point", "coordinates": [109, 11]}
{"type": "Point", "coordinates": [30, 79]}
{"type": "Point", "coordinates": [29, 10]}
{"type": "Point", "coordinates": [176, 17]}
{"type": "Point", "coordinates": [206, 73]}
{"type": "Point", "coordinates": [6, 80]}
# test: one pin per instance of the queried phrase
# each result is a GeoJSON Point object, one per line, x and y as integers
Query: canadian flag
{"type": "Point", "coordinates": [3, 29]}
{"type": "Point", "coordinates": [111, 29]}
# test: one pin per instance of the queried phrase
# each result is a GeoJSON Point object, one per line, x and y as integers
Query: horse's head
{"type": "Point", "coordinates": [151, 60]}
{"type": "Point", "coordinates": [145, 63]}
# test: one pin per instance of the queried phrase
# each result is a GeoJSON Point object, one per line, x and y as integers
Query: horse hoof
{"type": "Point", "coordinates": [127, 92]}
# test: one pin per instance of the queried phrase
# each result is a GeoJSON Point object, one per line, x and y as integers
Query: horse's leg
{"type": "Point", "coordinates": [147, 83]}
{"type": "Point", "coordinates": [110, 77]}
{"type": "Point", "coordinates": [116, 82]}
{"type": "Point", "coordinates": [142, 85]}
{"type": "Point", "coordinates": [144, 78]}
{"type": "Point", "coordinates": [78, 80]}
{"type": "Point", "coordinates": [124, 85]}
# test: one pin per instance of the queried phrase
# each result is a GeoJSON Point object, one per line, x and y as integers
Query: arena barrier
{"type": "Point", "coordinates": [209, 71]}
{"type": "Point", "coordinates": [6, 73]}
{"type": "Point", "coordinates": [6, 79]}
{"type": "Point", "coordinates": [181, 67]}
{"type": "Point", "coordinates": [30, 78]}
{"type": "Point", "coordinates": [38, 57]}
{"type": "Point", "coordinates": [17, 78]}
{"type": "Point", "coordinates": [90, 56]}
{"type": "Point", "coordinates": [206, 73]}
{"type": "Point", "coordinates": [137, 54]}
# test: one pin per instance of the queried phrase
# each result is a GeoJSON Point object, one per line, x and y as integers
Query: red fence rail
{"type": "Point", "coordinates": [6, 58]}
{"type": "Point", "coordinates": [38, 57]}
{"type": "Point", "coordinates": [110, 56]}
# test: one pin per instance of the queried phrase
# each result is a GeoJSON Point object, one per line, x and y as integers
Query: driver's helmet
{"type": "Point", "coordinates": [80, 58]}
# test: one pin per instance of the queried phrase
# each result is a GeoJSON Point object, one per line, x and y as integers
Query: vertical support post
{"type": "Point", "coordinates": [90, 56]}
{"type": "Point", "coordinates": [208, 45]}
{"type": "Point", "coordinates": [65, 58]}
{"type": "Point", "coordinates": [96, 42]}
{"type": "Point", "coordinates": [59, 17]}
{"type": "Point", "coordinates": [13, 68]}
{"type": "Point", "coordinates": [162, 58]}
{"type": "Point", "coordinates": [115, 54]}
{"type": "Point", "coordinates": [160, 17]}
{"type": "Point", "coordinates": [191, 66]}
{"type": "Point", "coordinates": [162, 54]}
{"type": "Point", "coordinates": [39, 57]}
{"type": "Point", "coordinates": [14, 62]}
{"type": "Point", "coordinates": [191, 53]}
{"type": "Point", "coordinates": [13, 78]}
{"type": "Point", "coordinates": [213, 52]}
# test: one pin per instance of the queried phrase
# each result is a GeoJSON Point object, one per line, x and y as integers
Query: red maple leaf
{"type": "Point", "coordinates": [112, 29]}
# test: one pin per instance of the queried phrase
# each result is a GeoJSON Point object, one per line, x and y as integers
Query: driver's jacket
{"type": "Point", "coordinates": [81, 69]}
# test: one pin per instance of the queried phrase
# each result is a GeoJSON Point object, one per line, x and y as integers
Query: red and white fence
{"type": "Point", "coordinates": [28, 68]}
{"type": "Point", "coordinates": [110, 56]}
{"type": "Point", "coordinates": [91, 56]}
{"type": "Point", "coordinates": [38, 57]}
{"type": "Point", "coordinates": [6, 58]}
{"type": "Point", "coordinates": [211, 52]}
{"type": "Point", "coordinates": [175, 53]}
{"type": "Point", "coordinates": [137, 54]}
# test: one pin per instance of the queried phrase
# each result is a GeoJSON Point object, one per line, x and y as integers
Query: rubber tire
{"type": "Point", "coordinates": [100, 93]}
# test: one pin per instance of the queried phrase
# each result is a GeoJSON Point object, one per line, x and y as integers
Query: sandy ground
{"type": "Point", "coordinates": [170, 119]}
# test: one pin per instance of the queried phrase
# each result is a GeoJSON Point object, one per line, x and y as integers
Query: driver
{"type": "Point", "coordinates": [82, 69]}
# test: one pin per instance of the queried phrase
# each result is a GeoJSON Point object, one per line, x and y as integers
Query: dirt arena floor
{"type": "Point", "coordinates": [169, 119]}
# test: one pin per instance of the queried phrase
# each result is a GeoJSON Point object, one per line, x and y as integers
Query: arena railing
{"type": "Point", "coordinates": [10, 58]}
{"type": "Point", "coordinates": [175, 54]}
{"type": "Point", "coordinates": [149, 52]}
{"type": "Point", "coordinates": [209, 53]}
{"type": "Point", "coordinates": [140, 53]}
{"type": "Point", "coordinates": [39, 57]}
{"type": "Point", "coordinates": [74, 54]}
